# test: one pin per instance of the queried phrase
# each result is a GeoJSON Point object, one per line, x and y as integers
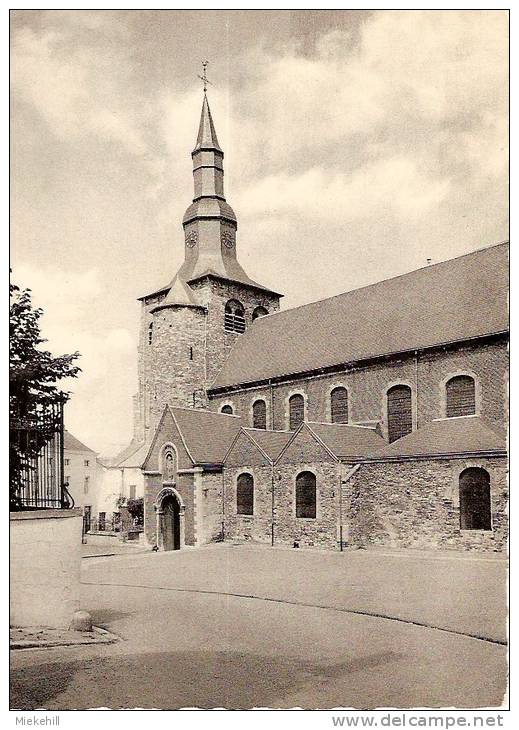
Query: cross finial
{"type": "Point", "coordinates": [204, 78]}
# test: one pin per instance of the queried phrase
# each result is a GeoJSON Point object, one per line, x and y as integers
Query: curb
{"type": "Point", "coordinates": [97, 636]}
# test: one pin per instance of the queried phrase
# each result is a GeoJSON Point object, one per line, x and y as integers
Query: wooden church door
{"type": "Point", "coordinates": [171, 524]}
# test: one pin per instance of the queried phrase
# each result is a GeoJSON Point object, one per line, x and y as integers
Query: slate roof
{"type": "Point", "coordinates": [71, 443]}
{"type": "Point", "coordinates": [346, 441]}
{"type": "Point", "coordinates": [447, 436]}
{"type": "Point", "coordinates": [207, 435]}
{"type": "Point", "coordinates": [455, 300]}
{"type": "Point", "coordinates": [270, 442]}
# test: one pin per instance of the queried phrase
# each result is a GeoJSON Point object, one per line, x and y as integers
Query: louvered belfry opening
{"type": "Point", "coordinates": [339, 405]}
{"type": "Point", "coordinates": [234, 318]}
{"type": "Point", "coordinates": [399, 412]}
{"type": "Point", "coordinates": [245, 495]}
{"type": "Point", "coordinates": [306, 495]}
{"type": "Point", "coordinates": [461, 396]}
{"type": "Point", "coordinates": [296, 411]}
{"type": "Point", "coordinates": [475, 513]}
{"type": "Point", "coordinates": [259, 414]}
{"type": "Point", "coordinates": [259, 312]}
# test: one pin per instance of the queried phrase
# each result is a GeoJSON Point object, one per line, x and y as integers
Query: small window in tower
{"type": "Point", "coordinates": [227, 409]}
{"type": "Point", "coordinates": [259, 312]}
{"type": "Point", "coordinates": [190, 353]}
{"type": "Point", "coordinates": [150, 333]}
{"type": "Point", "coordinates": [234, 319]}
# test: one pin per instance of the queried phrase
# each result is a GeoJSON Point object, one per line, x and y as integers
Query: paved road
{"type": "Point", "coordinates": [186, 648]}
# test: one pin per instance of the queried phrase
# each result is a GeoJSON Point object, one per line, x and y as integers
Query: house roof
{"type": "Point", "coordinates": [71, 443]}
{"type": "Point", "coordinates": [270, 442]}
{"type": "Point", "coordinates": [347, 441]}
{"type": "Point", "coordinates": [455, 300]}
{"type": "Point", "coordinates": [448, 436]}
{"type": "Point", "coordinates": [207, 435]}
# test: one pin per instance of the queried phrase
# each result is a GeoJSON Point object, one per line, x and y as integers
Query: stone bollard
{"type": "Point", "coordinates": [81, 621]}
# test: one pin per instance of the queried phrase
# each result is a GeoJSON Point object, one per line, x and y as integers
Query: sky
{"type": "Point", "coordinates": [358, 144]}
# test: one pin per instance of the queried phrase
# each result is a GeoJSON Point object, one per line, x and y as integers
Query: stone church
{"type": "Point", "coordinates": [376, 417]}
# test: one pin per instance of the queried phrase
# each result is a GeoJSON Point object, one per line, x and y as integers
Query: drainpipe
{"type": "Point", "coordinates": [416, 389]}
{"type": "Point", "coordinates": [272, 520]}
{"type": "Point", "coordinates": [223, 504]}
{"type": "Point", "coordinates": [342, 482]}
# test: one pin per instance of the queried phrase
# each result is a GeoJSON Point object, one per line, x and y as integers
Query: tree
{"type": "Point", "coordinates": [33, 377]}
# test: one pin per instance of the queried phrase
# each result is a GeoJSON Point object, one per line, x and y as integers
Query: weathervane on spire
{"type": "Point", "coordinates": [204, 78]}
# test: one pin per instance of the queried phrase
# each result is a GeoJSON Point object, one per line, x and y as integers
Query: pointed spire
{"type": "Point", "coordinates": [207, 139]}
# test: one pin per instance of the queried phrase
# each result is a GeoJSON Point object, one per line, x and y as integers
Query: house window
{"type": "Point", "coordinates": [306, 495]}
{"type": "Point", "coordinates": [102, 521]}
{"type": "Point", "coordinates": [133, 491]}
{"type": "Point", "coordinates": [460, 394]}
{"type": "Point", "coordinates": [339, 405]}
{"type": "Point", "coordinates": [86, 462]}
{"type": "Point", "coordinates": [150, 333]}
{"type": "Point", "coordinates": [227, 409]}
{"type": "Point", "coordinates": [245, 495]}
{"type": "Point", "coordinates": [296, 411]}
{"type": "Point", "coordinates": [67, 462]}
{"type": "Point", "coordinates": [86, 485]}
{"type": "Point", "coordinates": [67, 480]}
{"type": "Point", "coordinates": [475, 499]}
{"type": "Point", "coordinates": [234, 318]}
{"type": "Point", "coordinates": [259, 414]}
{"type": "Point", "coordinates": [399, 412]}
{"type": "Point", "coordinates": [259, 312]}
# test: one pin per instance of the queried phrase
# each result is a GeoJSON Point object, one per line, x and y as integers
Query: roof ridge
{"type": "Point", "coordinates": [348, 425]}
{"type": "Point", "coordinates": [383, 281]}
{"type": "Point", "coordinates": [203, 410]}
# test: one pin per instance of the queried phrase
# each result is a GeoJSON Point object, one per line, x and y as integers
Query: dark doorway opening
{"type": "Point", "coordinates": [170, 523]}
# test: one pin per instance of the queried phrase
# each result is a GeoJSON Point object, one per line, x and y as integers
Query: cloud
{"type": "Point", "coordinates": [100, 405]}
{"type": "Point", "coordinates": [395, 185]}
{"type": "Point", "coordinates": [75, 88]}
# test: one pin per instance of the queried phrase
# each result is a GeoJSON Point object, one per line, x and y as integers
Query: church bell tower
{"type": "Point", "coordinates": [189, 326]}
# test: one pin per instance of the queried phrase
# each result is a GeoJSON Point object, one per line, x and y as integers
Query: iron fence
{"type": "Point", "coordinates": [36, 460]}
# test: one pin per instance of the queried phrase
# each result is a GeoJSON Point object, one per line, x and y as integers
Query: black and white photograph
{"type": "Point", "coordinates": [259, 345]}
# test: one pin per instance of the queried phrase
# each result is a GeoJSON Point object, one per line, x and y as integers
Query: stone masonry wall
{"type": "Point", "coordinates": [319, 532]}
{"type": "Point", "coordinates": [215, 294]}
{"type": "Point", "coordinates": [415, 504]}
{"type": "Point", "coordinates": [255, 528]}
{"type": "Point", "coordinates": [367, 387]}
{"type": "Point", "coordinates": [209, 508]}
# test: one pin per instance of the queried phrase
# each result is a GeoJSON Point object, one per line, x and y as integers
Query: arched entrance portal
{"type": "Point", "coordinates": [170, 512]}
{"type": "Point", "coordinates": [170, 527]}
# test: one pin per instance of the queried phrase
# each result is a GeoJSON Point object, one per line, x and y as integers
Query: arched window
{"type": "Point", "coordinates": [475, 499]}
{"type": "Point", "coordinates": [460, 394]}
{"type": "Point", "coordinates": [296, 411]}
{"type": "Point", "coordinates": [339, 405]}
{"type": "Point", "coordinates": [306, 495]}
{"type": "Point", "coordinates": [227, 409]}
{"type": "Point", "coordinates": [169, 464]}
{"type": "Point", "coordinates": [150, 333]}
{"type": "Point", "coordinates": [399, 412]}
{"type": "Point", "coordinates": [259, 414]}
{"type": "Point", "coordinates": [234, 319]}
{"type": "Point", "coordinates": [259, 312]}
{"type": "Point", "coordinates": [245, 495]}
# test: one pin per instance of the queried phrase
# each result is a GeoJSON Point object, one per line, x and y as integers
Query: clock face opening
{"type": "Point", "coordinates": [191, 239]}
{"type": "Point", "coordinates": [227, 239]}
